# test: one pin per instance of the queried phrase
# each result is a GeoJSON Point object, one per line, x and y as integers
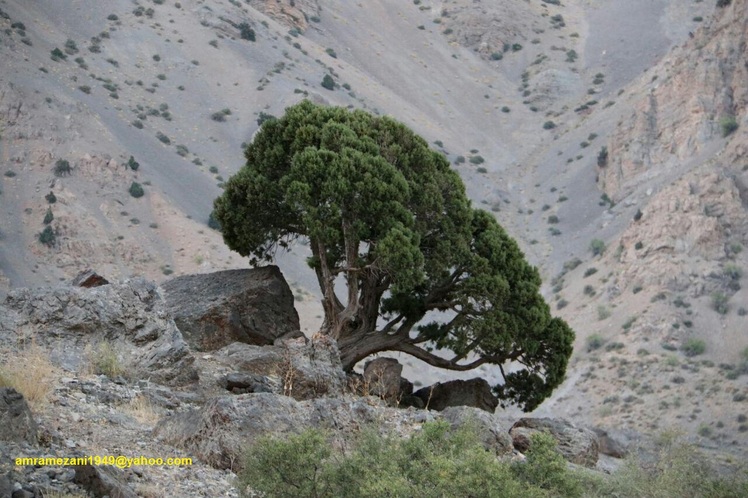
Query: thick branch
{"type": "Point", "coordinates": [440, 362]}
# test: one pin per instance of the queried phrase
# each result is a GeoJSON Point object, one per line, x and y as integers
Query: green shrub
{"type": "Point", "coordinates": [602, 157]}
{"type": "Point", "coordinates": [477, 160]}
{"type": "Point", "coordinates": [693, 347]}
{"type": "Point", "coordinates": [48, 216]}
{"type": "Point", "coordinates": [47, 236]}
{"type": "Point", "coordinates": [136, 190]}
{"type": "Point", "coordinates": [435, 461]}
{"type": "Point", "coordinates": [553, 219]}
{"type": "Point", "coordinates": [597, 247]}
{"type": "Point", "coordinates": [602, 312]}
{"type": "Point", "coordinates": [595, 341]}
{"type": "Point", "coordinates": [589, 271]}
{"type": "Point", "coordinates": [57, 55]}
{"type": "Point", "coordinates": [246, 32]}
{"type": "Point", "coordinates": [719, 303]}
{"type": "Point", "coordinates": [163, 138]}
{"type": "Point", "coordinates": [62, 168]}
{"type": "Point", "coordinates": [728, 124]}
{"type": "Point", "coordinates": [133, 164]}
{"type": "Point", "coordinates": [331, 53]}
{"type": "Point", "coordinates": [264, 117]}
{"type": "Point", "coordinates": [51, 198]}
{"type": "Point", "coordinates": [723, 3]}
{"type": "Point", "coordinates": [549, 125]}
{"type": "Point", "coordinates": [328, 83]}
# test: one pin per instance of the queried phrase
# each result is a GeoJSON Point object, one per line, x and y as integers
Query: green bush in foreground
{"type": "Point", "coordinates": [439, 462]}
{"type": "Point", "coordinates": [434, 462]}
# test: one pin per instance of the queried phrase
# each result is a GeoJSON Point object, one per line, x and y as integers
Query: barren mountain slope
{"type": "Point", "coordinates": [522, 97]}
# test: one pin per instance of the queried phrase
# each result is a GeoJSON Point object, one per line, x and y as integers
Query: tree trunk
{"type": "Point", "coordinates": [357, 346]}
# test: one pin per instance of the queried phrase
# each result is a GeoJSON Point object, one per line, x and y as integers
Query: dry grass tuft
{"type": "Point", "coordinates": [103, 360]}
{"type": "Point", "coordinates": [142, 410]}
{"type": "Point", "coordinates": [31, 373]}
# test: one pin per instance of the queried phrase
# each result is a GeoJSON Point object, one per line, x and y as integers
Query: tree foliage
{"type": "Point", "coordinates": [423, 269]}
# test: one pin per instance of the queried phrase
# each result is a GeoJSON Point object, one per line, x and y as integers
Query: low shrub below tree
{"type": "Point", "coordinates": [438, 461]}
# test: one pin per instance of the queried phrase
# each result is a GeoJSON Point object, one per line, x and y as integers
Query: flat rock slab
{"type": "Point", "coordinates": [577, 444]}
{"type": "Point", "coordinates": [212, 310]}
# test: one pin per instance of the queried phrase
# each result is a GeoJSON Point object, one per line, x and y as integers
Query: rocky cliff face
{"type": "Point", "coordinates": [681, 106]}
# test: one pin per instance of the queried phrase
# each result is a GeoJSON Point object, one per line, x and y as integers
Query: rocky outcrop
{"type": "Point", "coordinates": [474, 392]}
{"type": "Point", "coordinates": [294, 14]}
{"type": "Point", "coordinates": [382, 377]}
{"type": "Point", "coordinates": [219, 432]}
{"type": "Point", "coordinates": [577, 445]}
{"type": "Point", "coordinates": [682, 105]}
{"type": "Point", "coordinates": [493, 435]}
{"type": "Point", "coordinates": [89, 278]}
{"type": "Point", "coordinates": [103, 481]}
{"type": "Point", "coordinates": [212, 310]}
{"type": "Point", "coordinates": [16, 422]}
{"type": "Point", "coordinates": [301, 369]}
{"type": "Point", "coordinates": [130, 316]}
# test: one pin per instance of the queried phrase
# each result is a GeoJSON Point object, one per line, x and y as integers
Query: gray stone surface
{"type": "Point", "coordinates": [131, 316]}
{"type": "Point", "coordinates": [492, 433]}
{"type": "Point", "coordinates": [302, 369]}
{"type": "Point", "coordinates": [577, 444]}
{"type": "Point", "coordinates": [212, 310]}
{"type": "Point", "coordinates": [16, 422]}
{"type": "Point", "coordinates": [473, 392]}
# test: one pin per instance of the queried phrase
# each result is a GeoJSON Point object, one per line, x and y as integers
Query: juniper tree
{"type": "Point", "coordinates": [424, 271]}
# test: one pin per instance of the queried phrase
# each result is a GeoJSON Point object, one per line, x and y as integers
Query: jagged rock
{"type": "Point", "coordinates": [303, 370]}
{"type": "Point", "coordinates": [246, 383]}
{"type": "Point", "coordinates": [473, 392]}
{"type": "Point", "coordinates": [103, 481]}
{"type": "Point", "coordinates": [129, 315]}
{"type": "Point", "coordinates": [382, 378]}
{"type": "Point", "coordinates": [494, 437]}
{"type": "Point", "coordinates": [89, 278]}
{"type": "Point", "coordinates": [219, 432]}
{"type": "Point", "coordinates": [611, 443]}
{"type": "Point", "coordinates": [16, 422]}
{"type": "Point", "coordinates": [212, 310]}
{"type": "Point", "coordinates": [577, 445]}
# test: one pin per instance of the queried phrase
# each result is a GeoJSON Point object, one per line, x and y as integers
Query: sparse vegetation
{"type": "Point", "coordinates": [719, 303]}
{"type": "Point", "coordinates": [549, 125]}
{"type": "Point", "coordinates": [602, 157]}
{"type": "Point", "coordinates": [48, 236]}
{"type": "Point", "coordinates": [136, 190]}
{"type": "Point", "coordinates": [163, 138]}
{"type": "Point", "coordinates": [246, 32]}
{"type": "Point", "coordinates": [728, 124]}
{"type": "Point", "coordinates": [693, 347]}
{"type": "Point", "coordinates": [597, 247]}
{"type": "Point", "coordinates": [62, 168]}
{"type": "Point", "coordinates": [133, 164]}
{"type": "Point", "coordinates": [328, 83]}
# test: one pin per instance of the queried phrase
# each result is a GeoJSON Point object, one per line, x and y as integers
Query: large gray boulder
{"type": "Point", "coordinates": [130, 316]}
{"type": "Point", "coordinates": [16, 422]}
{"type": "Point", "coordinates": [212, 310]}
{"type": "Point", "coordinates": [382, 377]}
{"type": "Point", "coordinates": [299, 368]}
{"type": "Point", "coordinates": [492, 433]}
{"type": "Point", "coordinates": [473, 392]}
{"type": "Point", "coordinates": [220, 431]}
{"type": "Point", "coordinates": [577, 444]}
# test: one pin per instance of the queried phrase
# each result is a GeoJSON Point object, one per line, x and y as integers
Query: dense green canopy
{"type": "Point", "coordinates": [424, 270]}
